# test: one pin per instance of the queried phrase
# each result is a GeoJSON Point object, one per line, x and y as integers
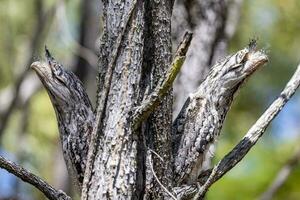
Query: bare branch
{"type": "Point", "coordinates": [255, 132]}
{"type": "Point", "coordinates": [144, 110]}
{"type": "Point", "coordinates": [282, 176]}
{"type": "Point", "coordinates": [50, 192]}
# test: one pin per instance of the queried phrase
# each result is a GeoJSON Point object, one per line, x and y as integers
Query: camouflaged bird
{"type": "Point", "coordinates": [73, 110]}
{"type": "Point", "coordinates": [199, 123]}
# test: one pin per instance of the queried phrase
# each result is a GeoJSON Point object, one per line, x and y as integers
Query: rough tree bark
{"type": "Point", "coordinates": [157, 57]}
{"type": "Point", "coordinates": [131, 154]}
{"type": "Point", "coordinates": [115, 173]}
{"type": "Point", "coordinates": [138, 45]}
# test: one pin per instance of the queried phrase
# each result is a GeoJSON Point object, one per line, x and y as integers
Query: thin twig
{"type": "Point", "coordinates": [101, 106]}
{"type": "Point", "coordinates": [255, 132]}
{"type": "Point", "coordinates": [50, 192]}
{"type": "Point", "coordinates": [144, 110]}
{"type": "Point", "coordinates": [154, 174]}
{"type": "Point", "coordinates": [282, 176]}
{"type": "Point", "coordinates": [197, 196]}
{"type": "Point", "coordinates": [161, 159]}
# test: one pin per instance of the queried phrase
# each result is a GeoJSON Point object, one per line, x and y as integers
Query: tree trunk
{"type": "Point", "coordinates": [136, 47]}
{"type": "Point", "coordinates": [157, 58]}
{"type": "Point", "coordinates": [131, 149]}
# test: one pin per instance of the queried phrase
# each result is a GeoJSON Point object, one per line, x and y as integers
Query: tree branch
{"type": "Point", "coordinates": [149, 104]}
{"type": "Point", "coordinates": [255, 132]}
{"type": "Point", "coordinates": [34, 180]}
{"type": "Point", "coordinates": [282, 176]}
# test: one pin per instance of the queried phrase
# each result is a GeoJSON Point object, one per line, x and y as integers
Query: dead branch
{"type": "Point", "coordinates": [154, 174]}
{"type": "Point", "coordinates": [50, 192]}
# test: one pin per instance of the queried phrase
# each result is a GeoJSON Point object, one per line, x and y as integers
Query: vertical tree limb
{"type": "Point", "coordinates": [114, 171]}
{"type": "Point", "coordinates": [102, 99]}
{"type": "Point", "coordinates": [157, 59]}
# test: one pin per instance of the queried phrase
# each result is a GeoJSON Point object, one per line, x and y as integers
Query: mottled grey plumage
{"type": "Point", "coordinates": [200, 121]}
{"type": "Point", "coordinates": [73, 110]}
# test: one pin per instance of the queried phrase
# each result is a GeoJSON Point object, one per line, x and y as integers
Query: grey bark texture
{"type": "Point", "coordinates": [157, 58]}
{"type": "Point", "coordinates": [142, 57]}
{"type": "Point", "coordinates": [128, 147]}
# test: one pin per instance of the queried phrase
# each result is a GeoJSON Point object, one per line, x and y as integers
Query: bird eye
{"type": "Point", "coordinates": [234, 67]}
{"type": "Point", "coordinates": [245, 58]}
{"type": "Point", "coordinates": [57, 71]}
{"type": "Point", "coordinates": [242, 57]}
{"type": "Point", "coordinates": [62, 79]}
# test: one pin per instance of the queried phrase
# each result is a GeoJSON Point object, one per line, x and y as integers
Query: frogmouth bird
{"type": "Point", "coordinates": [73, 111]}
{"type": "Point", "coordinates": [200, 121]}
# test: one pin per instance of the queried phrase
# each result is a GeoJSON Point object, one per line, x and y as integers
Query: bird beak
{"type": "Point", "coordinates": [35, 66]}
{"type": "Point", "coordinates": [255, 60]}
{"type": "Point", "coordinates": [42, 69]}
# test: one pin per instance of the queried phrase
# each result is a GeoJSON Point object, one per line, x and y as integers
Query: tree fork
{"type": "Point", "coordinates": [130, 153]}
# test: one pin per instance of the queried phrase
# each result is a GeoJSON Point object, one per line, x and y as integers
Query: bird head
{"type": "Point", "coordinates": [230, 73]}
{"type": "Point", "coordinates": [62, 85]}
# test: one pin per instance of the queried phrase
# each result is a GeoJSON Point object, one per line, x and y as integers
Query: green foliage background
{"type": "Point", "coordinates": [275, 22]}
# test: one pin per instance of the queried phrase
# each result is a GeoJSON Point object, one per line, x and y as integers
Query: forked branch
{"type": "Point", "coordinates": [50, 192]}
{"type": "Point", "coordinates": [150, 103]}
